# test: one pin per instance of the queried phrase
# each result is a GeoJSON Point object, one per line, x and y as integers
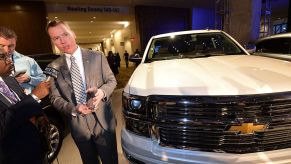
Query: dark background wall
{"type": "Point", "coordinates": [203, 18]}
{"type": "Point", "coordinates": [28, 20]}
{"type": "Point", "coordinates": [152, 20]}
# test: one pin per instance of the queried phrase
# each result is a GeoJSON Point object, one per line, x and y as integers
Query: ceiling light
{"type": "Point", "coordinates": [56, 17]}
{"type": "Point", "coordinates": [124, 23]}
{"type": "Point", "coordinates": [113, 31]}
{"type": "Point", "coordinates": [18, 7]}
{"type": "Point", "coordinates": [94, 17]}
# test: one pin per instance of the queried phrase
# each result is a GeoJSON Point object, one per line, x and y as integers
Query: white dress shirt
{"type": "Point", "coordinates": [78, 56]}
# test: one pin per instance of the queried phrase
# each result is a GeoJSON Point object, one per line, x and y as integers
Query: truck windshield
{"type": "Point", "coordinates": [192, 46]}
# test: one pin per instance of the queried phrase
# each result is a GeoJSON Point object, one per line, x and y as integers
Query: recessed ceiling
{"type": "Point", "coordinates": [93, 27]}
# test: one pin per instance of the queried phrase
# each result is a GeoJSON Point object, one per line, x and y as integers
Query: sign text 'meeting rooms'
{"type": "Point", "coordinates": [86, 9]}
{"type": "Point", "coordinates": [94, 9]}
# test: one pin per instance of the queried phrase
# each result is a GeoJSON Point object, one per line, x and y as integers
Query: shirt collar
{"type": "Point", "coordinates": [76, 54]}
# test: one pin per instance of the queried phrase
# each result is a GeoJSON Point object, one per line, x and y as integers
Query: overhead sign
{"type": "Point", "coordinates": [86, 9]}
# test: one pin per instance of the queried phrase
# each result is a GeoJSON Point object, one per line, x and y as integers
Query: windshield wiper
{"type": "Point", "coordinates": [161, 58]}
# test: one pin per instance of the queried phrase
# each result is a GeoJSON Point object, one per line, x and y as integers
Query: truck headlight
{"type": "Point", "coordinates": [135, 114]}
{"type": "Point", "coordinates": [133, 104]}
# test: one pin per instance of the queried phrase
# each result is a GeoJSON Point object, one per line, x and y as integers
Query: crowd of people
{"type": "Point", "coordinates": [22, 85]}
{"type": "Point", "coordinates": [114, 60]}
{"type": "Point", "coordinates": [82, 90]}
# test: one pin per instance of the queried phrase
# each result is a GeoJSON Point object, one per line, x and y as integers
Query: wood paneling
{"type": "Point", "coordinates": [28, 20]}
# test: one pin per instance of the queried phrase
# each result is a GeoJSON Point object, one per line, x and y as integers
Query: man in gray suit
{"type": "Point", "coordinates": [92, 127]}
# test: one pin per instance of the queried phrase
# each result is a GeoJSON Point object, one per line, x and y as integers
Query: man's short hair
{"type": "Point", "coordinates": [56, 22]}
{"type": "Point", "coordinates": [7, 33]}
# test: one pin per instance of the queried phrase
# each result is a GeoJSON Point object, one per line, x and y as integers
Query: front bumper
{"type": "Point", "coordinates": [150, 152]}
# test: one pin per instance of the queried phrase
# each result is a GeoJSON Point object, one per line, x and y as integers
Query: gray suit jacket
{"type": "Point", "coordinates": [96, 70]}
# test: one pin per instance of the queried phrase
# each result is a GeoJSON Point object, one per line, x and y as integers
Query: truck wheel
{"type": "Point", "coordinates": [56, 136]}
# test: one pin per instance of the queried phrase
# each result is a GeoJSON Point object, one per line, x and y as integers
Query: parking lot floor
{"type": "Point", "coordinates": [69, 153]}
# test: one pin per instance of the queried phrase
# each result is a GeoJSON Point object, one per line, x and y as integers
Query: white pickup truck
{"type": "Point", "coordinates": [199, 97]}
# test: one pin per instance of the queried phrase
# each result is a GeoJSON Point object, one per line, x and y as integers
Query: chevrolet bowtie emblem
{"type": "Point", "coordinates": [247, 128]}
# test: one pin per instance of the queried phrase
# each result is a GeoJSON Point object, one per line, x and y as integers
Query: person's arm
{"type": "Point", "coordinates": [36, 74]}
{"type": "Point", "coordinates": [58, 101]}
{"type": "Point", "coordinates": [56, 98]}
{"type": "Point", "coordinates": [17, 114]}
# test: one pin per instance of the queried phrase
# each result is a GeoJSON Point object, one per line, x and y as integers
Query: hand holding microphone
{"type": "Point", "coordinates": [42, 89]}
{"type": "Point", "coordinates": [51, 71]}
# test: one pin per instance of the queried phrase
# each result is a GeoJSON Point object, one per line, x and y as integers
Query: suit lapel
{"type": "Point", "coordinates": [12, 84]}
{"type": "Point", "coordinates": [65, 72]}
{"type": "Point", "coordinates": [86, 64]}
{"type": "Point", "coordinates": [66, 76]}
{"type": "Point", "coordinates": [4, 101]}
{"type": "Point", "coordinates": [64, 79]}
{"type": "Point", "coordinates": [90, 67]}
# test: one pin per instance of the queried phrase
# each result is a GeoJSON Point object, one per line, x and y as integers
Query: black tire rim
{"type": "Point", "coordinates": [54, 138]}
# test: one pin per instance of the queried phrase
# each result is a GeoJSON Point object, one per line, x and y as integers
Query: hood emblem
{"type": "Point", "coordinates": [246, 128]}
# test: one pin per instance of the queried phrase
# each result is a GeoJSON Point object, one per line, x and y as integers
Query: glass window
{"type": "Point", "coordinates": [192, 45]}
{"type": "Point", "coordinates": [279, 28]}
{"type": "Point", "coordinates": [276, 45]}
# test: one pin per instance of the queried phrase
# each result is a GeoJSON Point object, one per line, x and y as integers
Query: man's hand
{"type": "Point", "coordinates": [94, 100]}
{"type": "Point", "coordinates": [22, 78]}
{"type": "Point", "coordinates": [41, 90]}
{"type": "Point", "coordinates": [83, 109]}
{"type": "Point", "coordinates": [90, 95]}
{"type": "Point", "coordinates": [99, 95]}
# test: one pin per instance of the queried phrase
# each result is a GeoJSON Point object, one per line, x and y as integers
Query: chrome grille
{"type": "Point", "coordinates": [202, 122]}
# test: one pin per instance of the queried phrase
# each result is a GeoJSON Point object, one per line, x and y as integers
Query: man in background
{"type": "Point", "coordinates": [27, 72]}
{"type": "Point", "coordinates": [20, 138]}
{"type": "Point", "coordinates": [83, 71]}
{"type": "Point", "coordinates": [125, 55]}
{"type": "Point", "coordinates": [136, 54]}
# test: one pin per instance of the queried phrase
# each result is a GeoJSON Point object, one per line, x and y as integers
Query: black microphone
{"type": "Point", "coordinates": [51, 71]}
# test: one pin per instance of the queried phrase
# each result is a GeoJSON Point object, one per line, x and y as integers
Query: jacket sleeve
{"type": "Point", "coordinates": [109, 81]}
{"type": "Point", "coordinates": [59, 88]}
{"type": "Point", "coordinates": [58, 101]}
{"type": "Point", "coordinates": [36, 74]}
{"type": "Point", "coordinates": [20, 113]}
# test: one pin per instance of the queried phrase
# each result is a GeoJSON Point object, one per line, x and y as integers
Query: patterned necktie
{"type": "Point", "coordinates": [80, 93]}
{"type": "Point", "coordinates": [7, 92]}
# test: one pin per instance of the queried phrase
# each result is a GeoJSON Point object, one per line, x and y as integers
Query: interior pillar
{"type": "Point", "coordinates": [244, 22]}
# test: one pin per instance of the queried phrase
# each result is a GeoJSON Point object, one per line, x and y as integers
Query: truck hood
{"type": "Point", "coordinates": [217, 75]}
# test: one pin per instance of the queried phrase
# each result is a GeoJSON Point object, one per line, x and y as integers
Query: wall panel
{"type": "Point", "coordinates": [156, 20]}
{"type": "Point", "coordinates": [28, 20]}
